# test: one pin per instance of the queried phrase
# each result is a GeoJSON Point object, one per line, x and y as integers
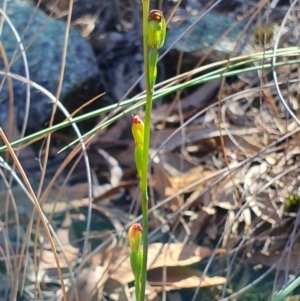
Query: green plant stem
{"type": "Point", "coordinates": [144, 193]}
{"type": "Point", "coordinates": [143, 185]}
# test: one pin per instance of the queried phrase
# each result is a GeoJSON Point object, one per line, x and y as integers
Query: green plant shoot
{"type": "Point", "coordinates": [156, 29]}
{"type": "Point", "coordinates": [136, 255]}
{"type": "Point", "coordinates": [156, 38]}
{"type": "Point", "coordinates": [154, 33]}
{"type": "Point", "coordinates": [138, 135]}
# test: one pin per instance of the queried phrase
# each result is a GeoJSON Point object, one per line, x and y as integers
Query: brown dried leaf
{"type": "Point", "coordinates": [173, 163]}
{"type": "Point", "coordinates": [263, 207]}
{"type": "Point", "coordinates": [199, 222]}
{"type": "Point", "coordinates": [170, 255]}
{"type": "Point", "coordinates": [193, 102]}
{"type": "Point", "coordinates": [181, 277]}
{"type": "Point", "coordinates": [187, 178]}
{"type": "Point", "coordinates": [163, 186]}
{"type": "Point", "coordinates": [173, 255]}
{"type": "Point", "coordinates": [117, 292]}
{"type": "Point", "coordinates": [89, 285]}
{"type": "Point", "coordinates": [284, 261]}
{"type": "Point", "coordinates": [222, 195]}
{"type": "Point", "coordinates": [195, 134]}
{"type": "Point", "coordinates": [48, 262]}
{"type": "Point", "coordinates": [66, 235]}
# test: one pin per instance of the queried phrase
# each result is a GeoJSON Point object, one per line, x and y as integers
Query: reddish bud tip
{"type": "Point", "coordinates": [156, 29]}
{"type": "Point", "coordinates": [156, 15]}
{"type": "Point", "coordinates": [134, 236]}
{"type": "Point", "coordinates": [136, 119]}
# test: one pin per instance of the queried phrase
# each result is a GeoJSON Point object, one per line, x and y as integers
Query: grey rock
{"type": "Point", "coordinates": [44, 38]}
{"type": "Point", "coordinates": [205, 33]}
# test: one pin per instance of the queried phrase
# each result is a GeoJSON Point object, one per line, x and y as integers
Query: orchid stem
{"type": "Point", "coordinates": [143, 185]}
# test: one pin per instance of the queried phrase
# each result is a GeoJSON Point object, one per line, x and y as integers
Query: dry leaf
{"type": "Point", "coordinates": [223, 196]}
{"type": "Point", "coordinates": [163, 186]}
{"type": "Point", "coordinates": [181, 277]}
{"type": "Point", "coordinates": [193, 102]}
{"type": "Point", "coordinates": [117, 292]}
{"type": "Point", "coordinates": [263, 207]}
{"type": "Point", "coordinates": [89, 285]}
{"type": "Point", "coordinates": [195, 134]}
{"type": "Point", "coordinates": [175, 254]}
{"type": "Point", "coordinates": [159, 255]}
{"type": "Point", "coordinates": [203, 223]}
{"type": "Point", "coordinates": [284, 261]}
{"type": "Point", "coordinates": [187, 178]}
{"type": "Point", "coordinates": [66, 235]}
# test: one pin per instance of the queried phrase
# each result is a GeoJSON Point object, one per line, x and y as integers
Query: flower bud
{"type": "Point", "coordinates": [137, 129]}
{"type": "Point", "coordinates": [156, 29]}
{"type": "Point", "coordinates": [134, 237]}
